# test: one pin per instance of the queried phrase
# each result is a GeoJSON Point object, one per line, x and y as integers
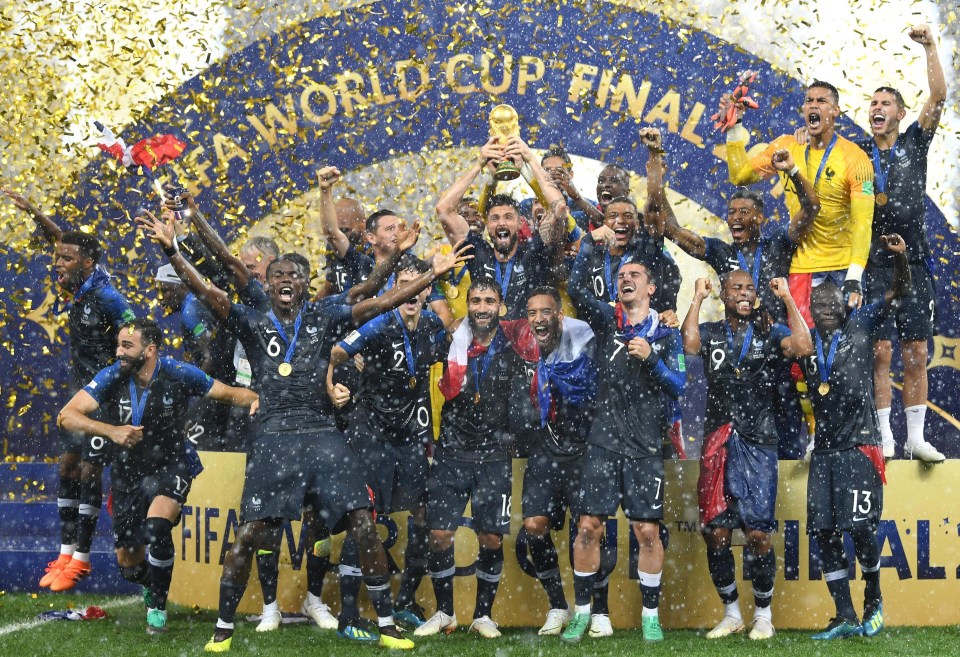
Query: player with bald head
{"type": "Point", "coordinates": [742, 356]}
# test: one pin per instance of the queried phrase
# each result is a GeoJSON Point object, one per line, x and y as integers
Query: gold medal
{"type": "Point", "coordinates": [736, 371]}
{"type": "Point", "coordinates": [881, 198]}
{"type": "Point", "coordinates": [285, 369]}
{"type": "Point", "coordinates": [476, 398]}
{"type": "Point", "coordinates": [756, 303]}
{"type": "Point", "coordinates": [503, 310]}
{"type": "Point", "coordinates": [824, 388]}
{"type": "Point", "coordinates": [413, 382]}
{"type": "Point", "coordinates": [452, 292]}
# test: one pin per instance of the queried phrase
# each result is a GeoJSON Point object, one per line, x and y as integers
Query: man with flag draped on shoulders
{"type": "Point", "coordinates": [563, 392]}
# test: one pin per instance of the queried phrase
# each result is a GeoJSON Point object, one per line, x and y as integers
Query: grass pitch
{"type": "Point", "coordinates": [124, 634]}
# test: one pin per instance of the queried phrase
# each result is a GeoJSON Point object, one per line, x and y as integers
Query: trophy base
{"type": "Point", "coordinates": [506, 171]}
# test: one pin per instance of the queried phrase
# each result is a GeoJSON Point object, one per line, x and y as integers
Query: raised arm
{"type": "Point", "coordinates": [328, 177]}
{"type": "Point", "coordinates": [933, 108]}
{"type": "Point", "coordinates": [549, 195]}
{"type": "Point", "coordinates": [51, 232]}
{"type": "Point", "coordinates": [690, 330]}
{"type": "Point", "coordinates": [806, 194]}
{"type": "Point", "coordinates": [163, 233]}
{"type": "Point", "coordinates": [406, 239]}
{"type": "Point", "coordinates": [657, 213]}
{"type": "Point", "coordinates": [859, 182]}
{"type": "Point", "coordinates": [800, 342]}
{"type": "Point", "coordinates": [237, 272]}
{"type": "Point", "coordinates": [455, 226]}
{"type": "Point", "coordinates": [395, 296]}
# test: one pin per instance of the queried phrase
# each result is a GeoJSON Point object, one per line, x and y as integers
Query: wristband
{"type": "Point", "coordinates": [794, 171]}
{"type": "Point", "coordinates": [170, 251]}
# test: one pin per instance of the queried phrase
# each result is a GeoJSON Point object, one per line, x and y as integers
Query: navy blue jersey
{"type": "Point", "coordinates": [385, 383]}
{"type": "Point", "coordinates": [776, 253]}
{"type": "Point", "coordinates": [297, 403]}
{"type": "Point", "coordinates": [906, 188]}
{"type": "Point", "coordinates": [599, 268]}
{"type": "Point", "coordinates": [746, 400]}
{"type": "Point", "coordinates": [476, 428]}
{"type": "Point", "coordinates": [846, 415]}
{"type": "Point", "coordinates": [353, 268]}
{"type": "Point", "coordinates": [95, 317]}
{"type": "Point", "coordinates": [526, 270]}
{"type": "Point", "coordinates": [167, 397]}
{"type": "Point", "coordinates": [630, 412]}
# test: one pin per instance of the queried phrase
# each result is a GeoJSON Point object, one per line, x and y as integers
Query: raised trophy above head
{"type": "Point", "coordinates": [505, 123]}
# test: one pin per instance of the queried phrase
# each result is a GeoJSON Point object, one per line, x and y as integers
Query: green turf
{"type": "Point", "coordinates": [124, 635]}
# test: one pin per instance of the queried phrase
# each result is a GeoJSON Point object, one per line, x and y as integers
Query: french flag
{"type": "Point", "coordinates": [462, 348]}
{"type": "Point", "coordinates": [570, 371]}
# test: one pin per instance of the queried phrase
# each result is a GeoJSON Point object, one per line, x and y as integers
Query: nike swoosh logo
{"type": "Point", "coordinates": [658, 506]}
{"type": "Point", "coordinates": [716, 342]}
{"type": "Point", "coordinates": [856, 519]}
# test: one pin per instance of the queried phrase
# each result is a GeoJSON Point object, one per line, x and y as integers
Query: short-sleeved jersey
{"type": "Point", "coordinates": [776, 253]}
{"type": "Point", "coordinates": [94, 321]}
{"type": "Point", "coordinates": [480, 432]}
{"type": "Point", "coordinates": [840, 234]}
{"type": "Point", "coordinates": [906, 189]}
{"type": "Point", "coordinates": [747, 401]}
{"type": "Point", "coordinates": [602, 268]}
{"type": "Point", "coordinates": [846, 416]}
{"type": "Point", "coordinates": [296, 403]}
{"type": "Point", "coordinates": [167, 395]}
{"type": "Point", "coordinates": [385, 381]}
{"type": "Point", "coordinates": [530, 265]}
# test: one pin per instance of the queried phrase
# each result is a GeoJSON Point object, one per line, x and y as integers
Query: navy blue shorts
{"type": "Point", "coordinates": [488, 487]}
{"type": "Point", "coordinates": [611, 480]}
{"type": "Point", "coordinates": [289, 472]}
{"type": "Point", "coordinates": [550, 487]}
{"type": "Point", "coordinates": [844, 491]}
{"type": "Point", "coordinates": [915, 320]}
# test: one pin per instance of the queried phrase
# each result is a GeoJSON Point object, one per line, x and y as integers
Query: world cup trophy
{"type": "Point", "coordinates": [505, 123]}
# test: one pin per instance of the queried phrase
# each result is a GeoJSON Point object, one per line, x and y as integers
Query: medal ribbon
{"type": "Point", "coordinates": [489, 353]}
{"type": "Point", "coordinates": [746, 342]}
{"type": "Point", "coordinates": [823, 162]}
{"type": "Point", "coordinates": [825, 367]}
{"type": "Point", "coordinates": [755, 272]}
{"type": "Point", "coordinates": [291, 344]}
{"type": "Point", "coordinates": [504, 279]}
{"type": "Point", "coordinates": [881, 174]}
{"type": "Point", "coordinates": [407, 345]}
{"type": "Point", "coordinates": [139, 404]}
{"type": "Point", "coordinates": [610, 276]}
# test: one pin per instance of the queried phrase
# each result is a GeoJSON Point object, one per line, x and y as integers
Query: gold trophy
{"type": "Point", "coordinates": [505, 123]}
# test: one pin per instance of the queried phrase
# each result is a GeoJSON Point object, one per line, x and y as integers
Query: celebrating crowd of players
{"type": "Point", "coordinates": [336, 391]}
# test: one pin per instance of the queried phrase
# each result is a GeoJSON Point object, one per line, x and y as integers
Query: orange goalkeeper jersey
{"type": "Point", "coordinates": [840, 234]}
